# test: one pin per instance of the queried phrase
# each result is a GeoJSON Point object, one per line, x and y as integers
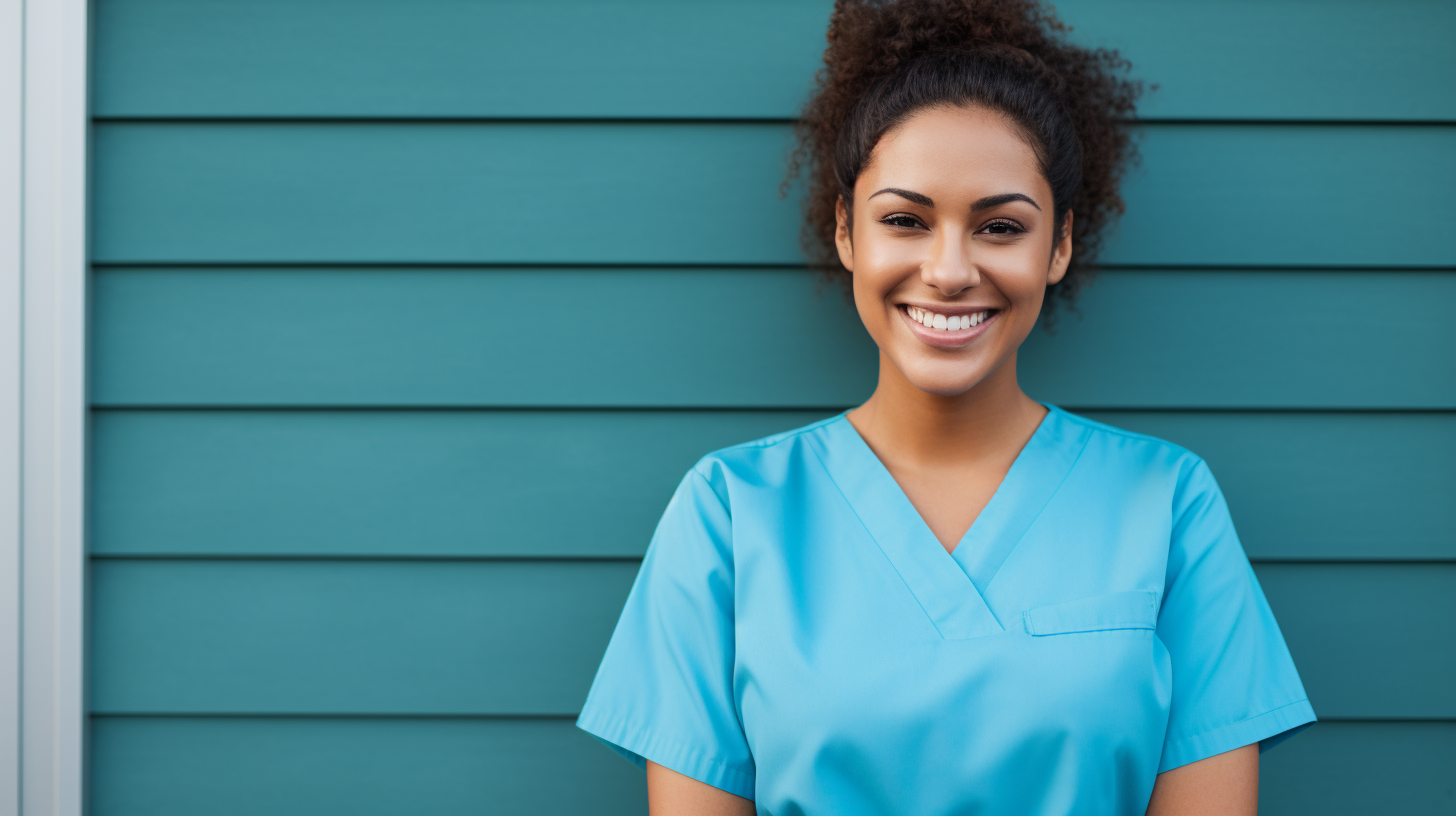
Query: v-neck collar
{"type": "Point", "coordinates": [951, 586]}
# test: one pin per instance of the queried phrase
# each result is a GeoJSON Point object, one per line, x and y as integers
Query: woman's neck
{"type": "Point", "coordinates": [902, 422]}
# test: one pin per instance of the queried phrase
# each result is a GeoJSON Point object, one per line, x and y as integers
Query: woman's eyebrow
{"type": "Point", "coordinates": [997, 200]}
{"type": "Point", "coordinates": [982, 204]}
{"type": "Point", "coordinates": [922, 200]}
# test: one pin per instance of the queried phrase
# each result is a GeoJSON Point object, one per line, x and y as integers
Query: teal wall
{"type": "Point", "coordinates": [409, 314]}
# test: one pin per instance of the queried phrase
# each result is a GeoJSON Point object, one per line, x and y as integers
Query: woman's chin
{"type": "Point", "coordinates": [945, 390]}
{"type": "Point", "coordinates": [936, 379]}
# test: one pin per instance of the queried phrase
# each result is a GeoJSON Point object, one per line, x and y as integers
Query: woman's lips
{"type": "Point", "coordinates": [947, 337]}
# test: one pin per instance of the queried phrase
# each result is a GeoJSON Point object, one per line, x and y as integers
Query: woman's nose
{"type": "Point", "coordinates": [950, 267]}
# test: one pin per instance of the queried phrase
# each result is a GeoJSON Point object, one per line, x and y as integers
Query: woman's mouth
{"type": "Point", "coordinates": [945, 329]}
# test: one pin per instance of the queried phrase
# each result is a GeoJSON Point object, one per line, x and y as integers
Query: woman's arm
{"type": "Point", "coordinates": [1224, 784]}
{"type": "Point", "coordinates": [669, 793]}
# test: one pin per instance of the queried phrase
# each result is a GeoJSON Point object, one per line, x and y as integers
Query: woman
{"type": "Point", "coordinates": [952, 598]}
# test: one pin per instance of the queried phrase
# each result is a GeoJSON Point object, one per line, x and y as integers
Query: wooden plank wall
{"type": "Point", "coordinates": [409, 315]}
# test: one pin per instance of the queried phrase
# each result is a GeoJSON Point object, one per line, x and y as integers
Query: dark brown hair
{"type": "Point", "coordinates": [887, 59]}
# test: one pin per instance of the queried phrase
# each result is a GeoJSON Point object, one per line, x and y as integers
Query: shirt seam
{"type": "Point", "coordinates": [1230, 726]}
{"type": "Point", "coordinates": [755, 443]}
{"type": "Point", "coordinates": [620, 728]}
{"type": "Point", "coordinates": [1094, 425]}
{"type": "Point", "coordinates": [722, 502]}
{"type": "Point", "coordinates": [775, 439]}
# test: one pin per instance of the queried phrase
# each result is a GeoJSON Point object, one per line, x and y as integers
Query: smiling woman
{"type": "Point", "coordinates": [952, 216]}
{"type": "Point", "coordinates": [952, 598]}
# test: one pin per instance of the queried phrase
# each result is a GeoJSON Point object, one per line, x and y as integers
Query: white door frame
{"type": "Point", "coordinates": [43, 273]}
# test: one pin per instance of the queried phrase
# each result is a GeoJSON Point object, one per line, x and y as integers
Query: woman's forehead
{"type": "Point", "coordinates": [957, 150]}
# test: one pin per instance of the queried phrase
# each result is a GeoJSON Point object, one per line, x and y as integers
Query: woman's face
{"type": "Point", "coordinates": [952, 227]}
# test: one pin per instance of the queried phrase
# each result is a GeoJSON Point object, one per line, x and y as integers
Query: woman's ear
{"type": "Point", "coordinates": [841, 235]}
{"type": "Point", "coordinates": [1062, 255]}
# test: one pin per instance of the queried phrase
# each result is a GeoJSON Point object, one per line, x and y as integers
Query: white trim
{"type": "Point", "coordinates": [45, 405]}
{"type": "Point", "coordinates": [12, 75]}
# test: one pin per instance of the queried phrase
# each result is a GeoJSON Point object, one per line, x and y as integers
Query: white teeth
{"type": "Point", "coordinates": [944, 322]}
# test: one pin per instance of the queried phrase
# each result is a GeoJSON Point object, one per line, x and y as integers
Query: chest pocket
{"type": "Point", "coordinates": [1116, 610]}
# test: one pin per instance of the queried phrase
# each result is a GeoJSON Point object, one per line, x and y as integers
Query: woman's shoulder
{"type": "Point", "coordinates": [766, 458]}
{"type": "Point", "coordinates": [1110, 447]}
{"type": "Point", "coordinates": [1121, 466]}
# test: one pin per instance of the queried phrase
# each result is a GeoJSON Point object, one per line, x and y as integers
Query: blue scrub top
{"type": "Point", "coordinates": [797, 635]}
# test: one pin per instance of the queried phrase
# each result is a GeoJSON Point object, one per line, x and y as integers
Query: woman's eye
{"type": "Point", "coordinates": [1003, 228]}
{"type": "Point", "coordinates": [909, 221]}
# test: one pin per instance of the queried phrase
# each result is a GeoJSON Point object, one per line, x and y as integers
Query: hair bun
{"type": "Point", "coordinates": [869, 39]}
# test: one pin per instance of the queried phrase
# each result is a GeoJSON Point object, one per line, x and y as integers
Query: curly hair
{"type": "Point", "coordinates": [887, 59]}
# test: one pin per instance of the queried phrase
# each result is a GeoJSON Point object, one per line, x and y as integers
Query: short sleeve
{"type": "Point", "coordinates": [664, 689]}
{"type": "Point", "coordinates": [1234, 682]}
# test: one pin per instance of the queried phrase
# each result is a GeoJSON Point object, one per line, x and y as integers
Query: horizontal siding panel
{"type": "Point", "coordinates": [496, 337]}
{"type": "Point", "coordinates": [1236, 195]}
{"type": "Point", "coordinates": [370, 637]}
{"type": "Point", "coordinates": [307, 767]}
{"type": "Point", "coordinates": [389, 483]}
{"type": "Point", "coordinates": [245, 766]}
{"type": "Point", "coordinates": [1345, 59]}
{"type": "Point", "coordinates": [1371, 640]}
{"type": "Point", "coordinates": [467, 483]}
{"type": "Point", "coordinates": [735, 338]}
{"type": "Point", "coordinates": [437, 58]}
{"type": "Point", "coordinates": [1362, 768]}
